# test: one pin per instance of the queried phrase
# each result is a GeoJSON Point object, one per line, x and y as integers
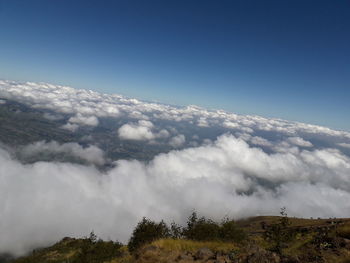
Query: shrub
{"type": "Point", "coordinates": [175, 231]}
{"type": "Point", "coordinates": [230, 232]}
{"type": "Point", "coordinates": [147, 231]}
{"type": "Point", "coordinates": [94, 250]}
{"type": "Point", "coordinates": [279, 233]}
{"type": "Point", "coordinates": [201, 229]}
{"type": "Point", "coordinates": [198, 229]}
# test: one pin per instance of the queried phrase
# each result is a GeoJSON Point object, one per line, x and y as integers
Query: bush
{"type": "Point", "coordinates": [198, 229]}
{"type": "Point", "coordinates": [95, 250]}
{"type": "Point", "coordinates": [147, 231]}
{"type": "Point", "coordinates": [230, 232]}
{"type": "Point", "coordinates": [176, 231]}
{"type": "Point", "coordinates": [201, 229]}
{"type": "Point", "coordinates": [278, 234]}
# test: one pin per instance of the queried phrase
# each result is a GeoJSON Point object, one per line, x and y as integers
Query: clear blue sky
{"type": "Point", "coordinates": [286, 59]}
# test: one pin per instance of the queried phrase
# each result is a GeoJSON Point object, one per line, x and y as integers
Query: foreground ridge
{"type": "Point", "coordinates": [309, 240]}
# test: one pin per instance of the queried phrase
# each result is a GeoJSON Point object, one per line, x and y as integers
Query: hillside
{"type": "Point", "coordinates": [314, 240]}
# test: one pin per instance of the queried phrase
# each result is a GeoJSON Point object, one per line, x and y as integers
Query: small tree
{"type": "Point", "coordinates": [279, 233]}
{"type": "Point", "coordinates": [201, 228]}
{"type": "Point", "coordinates": [230, 232]}
{"type": "Point", "coordinates": [92, 237]}
{"type": "Point", "coordinates": [175, 231]}
{"type": "Point", "coordinates": [147, 231]}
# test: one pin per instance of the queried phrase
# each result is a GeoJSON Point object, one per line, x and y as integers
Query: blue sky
{"type": "Point", "coordinates": [286, 59]}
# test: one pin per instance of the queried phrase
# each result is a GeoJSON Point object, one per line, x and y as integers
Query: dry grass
{"type": "Point", "coordinates": [125, 258]}
{"type": "Point", "coordinates": [192, 246]}
{"type": "Point", "coordinates": [344, 231]}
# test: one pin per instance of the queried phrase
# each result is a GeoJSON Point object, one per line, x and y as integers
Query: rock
{"type": "Point", "coordinates": [204, 254]}
{"type": "Point", "coordinates": [186, 256]}
{"type": "Point", "coordinates": [289, 259]}
{"type": "Point", "coordinates": [149, 248]}
{"type": "Point", "coordinates": [262, 256]}
{"type": "Point", "coordinates": [347, 243]}
{"type": "Point", "coordinates": [145, 250]}
{"type": "Point", "coordinates": [222, 259]}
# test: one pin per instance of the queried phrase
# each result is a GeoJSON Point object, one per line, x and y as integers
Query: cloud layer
{"type": "Point", "coordinates": [90, 154]}
{"type": "Point", "coordinates": [43, 202]}
{"type": "Point", "coordinates": [86, 107]}
{"type": "Point", "coordinates": [221, 164]}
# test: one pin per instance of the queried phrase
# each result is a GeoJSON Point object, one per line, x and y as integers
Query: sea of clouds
{"type": "Point", "coordinates": [255, 167]}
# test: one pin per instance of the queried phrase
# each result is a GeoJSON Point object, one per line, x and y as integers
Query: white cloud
{"type": "Point", "coordinates": [83, 120]}
{"type": "Point", "coordinates": [92, 154]}
{"type": "Point", "coordinates": [143, 130]}
{"type": "Point", "coordinates": [260, 141]}
{"type": "Point", "coordinates": [163, 134]}
{"type": "Point", "coordinates": [53, 117]}
{"type": "Point", "coordinates": [299, 142]}
{"type": "Point", "coordinates": [70, 127]}
{"type": "Point", "coordinates": [202, 122]}
{"type": "Point", "coordinates": [343, 144]}
{"type": "Point", "coordinates": [177, 141]}
{"type": "Point", "coordinates": [137, 131]}
{"type": "Point", "coordinates": [87, 106]}
{"type": "Point", "coordinates": [43, 202]}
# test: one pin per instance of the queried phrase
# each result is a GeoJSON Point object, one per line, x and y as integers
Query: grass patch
{"type": "Point", "coordinates": [298, 243]}
{"type": "Point", "coordinates": [344, 231]}
{"type": "Point", "coordinates": [192, 246]}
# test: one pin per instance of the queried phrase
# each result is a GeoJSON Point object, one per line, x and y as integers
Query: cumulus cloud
{"type": "Point", "coordinates": [269, 163]}
{"type": "Point", "coordinates": [84, 120]}
{"type": "Point", "coordinates": [53, 117]}
{"type": "Point", "coordinates": [143, 130]}
{"type": "Point", "coordinates": [43, 202]}
{"type": "Point", "coordinates": [86, 107]}
{"type": "Point", "coordinates": [345, 145]}
{"type": "Point", "coordinates": [137, 131]}
{"type": "Point", "coordinates": [70, 127]}
{"type": "Point", "coordinates": [177, 140]}
{"type": "Point", "coordinates": [257, 140]}
{"type": "Point", "coordinates": [91, 154]}
{"type": "Point", "coordinates": [299, 142]}
{"type": "Point", "coordinates": [163, 134]}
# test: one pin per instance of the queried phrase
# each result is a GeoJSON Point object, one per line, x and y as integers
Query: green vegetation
{"type": "Point", "coordinates": [199, 229]}
{"type": "Point", "coordinates": [86, 250]}
{"type": "Point", "coordinates": [203, 229]}
{"type": "Point", "coordinates": [147, 231]}
{"type": "Point", "coordinates": [260, 239]}
{"type": "Point", "coordinates": [192, 246]}
{"type": "Point", "coordinates": [279, 233]}
{"type": "Point", "coordinates": [344, 231]}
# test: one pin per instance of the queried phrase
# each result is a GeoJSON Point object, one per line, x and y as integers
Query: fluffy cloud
{"type": "Point", "coordinates": [84, 120]}
{"type": "Point", "coordinates": [260, 141]}
{"type": "Point", "coordinates": [143, 130]}
{"type": "Point", "coordinates": [137, 131]}
{"type": "Point", "coordinates": [86, 107]}
{"type": "Point", "coordinates": [299, 142]}
{"type": "Point", "coordinates": [91, 154]}
{"type": "Point", "coordinates": [345, 145]}
{"type": "Point", "coordinates": [70, 127]}
{"type": "Point", "coordinates": [177, 141]}
{"type": "Point", "coordinates": [43, 202]}
{"type": "Point", "coordinates": [269, 163]}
